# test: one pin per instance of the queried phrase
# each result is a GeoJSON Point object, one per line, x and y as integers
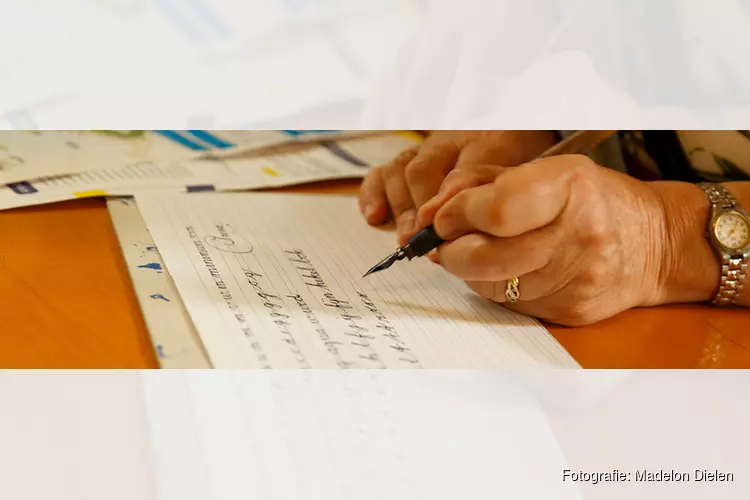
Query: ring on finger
{"type": "Point", "coordinates": [512, 294]}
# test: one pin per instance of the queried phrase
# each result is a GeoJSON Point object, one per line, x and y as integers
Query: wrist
{"type": "Point", "coordinates": [689, 269]}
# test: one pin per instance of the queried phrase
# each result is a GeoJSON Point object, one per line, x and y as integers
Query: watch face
{"type": "Point", "coordinates": [732, 230]}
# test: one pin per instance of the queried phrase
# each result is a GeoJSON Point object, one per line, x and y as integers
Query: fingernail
{"type": "Point", "coordinates": [407, 222]}
{"type": "Point", "coordinates": [436, 200]}
{"type": "Point", "coordinates": [369, 211]}
{"type": "Point", "coordinates": [445, 223]}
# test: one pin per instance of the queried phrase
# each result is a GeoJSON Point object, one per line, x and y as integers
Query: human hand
{"type": "Point", "coordinates": [585, 242]}
{"type": "Point", "coordinates": [396, 191]}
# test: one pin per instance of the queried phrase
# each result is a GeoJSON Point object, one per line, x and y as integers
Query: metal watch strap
{"type": "Point", "coordinates": [718, 195]}
{"type": "Point", "coordinates": [733, 267]}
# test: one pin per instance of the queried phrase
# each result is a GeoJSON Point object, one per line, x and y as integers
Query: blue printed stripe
{"type": "Point", "coordinates": [210, 139]}
{"type": "Point", "coordinates": [171, 134]}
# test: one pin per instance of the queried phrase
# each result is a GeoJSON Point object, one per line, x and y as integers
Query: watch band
{"type": "Point", "coordinates": [733, 267]}
{"type": "Point", "coordinates": [718, 195]}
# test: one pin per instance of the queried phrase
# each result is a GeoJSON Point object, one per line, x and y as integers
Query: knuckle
{"type": "Point", "coordinates": [400, 161]}
{"type": "Point", "coordinates": [473, 167]}
{"type": "Point", "coordinates": [482, 262]}
{"type": "Point", "coordinates": [405, 217]}
{"type": "Point", "coordinates": [596, 237]}
{"type": "Point", "coordinates": [538, 257]}
{"type": "Point", "coordinates": [417, 169]}
{"type": "Point", "coordinates": [590, 277]}
{"type": "Point", "coordinates": [581, 169]}
{"type": "Point", "coordinates": [579, 164]}
{"type": "Point", "coordinates": [455, 175]}
{"type": "Point", "coordinates": [540, 190]}
{"type": "Point", "coordinates": [406, 155]}
{"type": "Point", "coordinates": [457, 180]}
{"type": "Point", "coordinates": [498, 215]}
{"type": "Point", "coordinates": [400, 207]}
{"type": "Point", "coordinates": [476, 257]}
{"type": "Point", "coordinates": [390, 169]}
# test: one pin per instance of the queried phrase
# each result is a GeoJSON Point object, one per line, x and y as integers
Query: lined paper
{"type": "Point", "coordinates": [274, 281]}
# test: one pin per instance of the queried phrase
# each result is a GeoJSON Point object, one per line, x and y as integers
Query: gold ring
{"type": "Point", "coordinates": [511, 290]}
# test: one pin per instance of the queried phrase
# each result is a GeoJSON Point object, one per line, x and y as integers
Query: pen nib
{"type": "Point", "coordinates": [386, 263]}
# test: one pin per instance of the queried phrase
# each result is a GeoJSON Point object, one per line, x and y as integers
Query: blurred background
{"type": "Point", "coordinates": [374, 64]}
{"type": "Point", "coordinates": [195, 63]}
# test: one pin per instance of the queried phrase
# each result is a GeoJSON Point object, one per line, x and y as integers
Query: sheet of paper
{"type": "Point", "coordinates": [333, 435]}
{"type": "Point", "coordinates": [333, 160]}
{"type": "Point", "coordinates": [26, 155]}
{"type": "Point", "coordinates": [175, 341]}
{"type": "Point", "coordinates": [244, 140]}
{"type": "Point", "coordinates": [274, 281]}
{"type": "Point", "coordinates": [30, 155]}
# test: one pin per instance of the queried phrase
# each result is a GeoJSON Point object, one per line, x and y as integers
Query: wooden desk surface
{"type": "Point", "coordinates": [67, 302]}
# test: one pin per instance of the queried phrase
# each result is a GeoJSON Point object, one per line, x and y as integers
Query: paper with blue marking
{"type": "Point", "coordinates": [289, 164]}
{"type": "Point", "coordinates": [31, 155]}
{"type": "Point", "coordinates": [173, 336]}
{"type": "Point", "coordinates": [274, 281]}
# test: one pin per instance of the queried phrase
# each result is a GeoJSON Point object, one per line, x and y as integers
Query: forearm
{"type": "Point", "coordinates": [691, 270]}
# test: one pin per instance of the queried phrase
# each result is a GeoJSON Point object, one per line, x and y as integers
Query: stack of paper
{"type": "Point", "coordinates": [45, 167]}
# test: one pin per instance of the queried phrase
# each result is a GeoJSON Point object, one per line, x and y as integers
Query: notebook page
{"type": "Point", "coordinates": [275, 281]}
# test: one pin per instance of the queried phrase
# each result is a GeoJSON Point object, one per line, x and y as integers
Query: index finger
{"type": "Point", "coordinates": [523, 199]}
{"type": "Point", "coordinates": [425, 172]}
{"type": "Point", "coordinates": [372, 200]}
{"type": "Point", "coordinates": [457, 181]}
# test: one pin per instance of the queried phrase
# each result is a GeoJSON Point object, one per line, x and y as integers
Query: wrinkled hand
{"type": "Point", "coordinates": [396, 191]}
{"type": "Point", "coordinates": [586, 242]}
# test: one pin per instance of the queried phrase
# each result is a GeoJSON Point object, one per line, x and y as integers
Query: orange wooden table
{"type": "Point", "coordinates": [66, 301]}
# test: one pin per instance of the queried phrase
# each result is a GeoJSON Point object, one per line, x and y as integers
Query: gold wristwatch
{"type": "Point", "coordinates": [729, 233]}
